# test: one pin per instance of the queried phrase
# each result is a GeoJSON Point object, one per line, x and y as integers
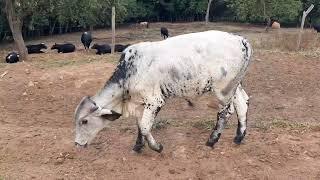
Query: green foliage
{"type": "Point", "coordinates": [315, 13]}
{"type": "Point", "coordinates": [58, 16]}
{"type": "Point", "coordinates": [286, 11]}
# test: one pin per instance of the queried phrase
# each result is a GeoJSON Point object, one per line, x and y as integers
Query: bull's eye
{"type": "Point", "coordinates": [84, 122]}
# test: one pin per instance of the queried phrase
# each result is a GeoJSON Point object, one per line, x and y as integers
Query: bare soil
{"type": "Point", "coordinates": [38, 98]}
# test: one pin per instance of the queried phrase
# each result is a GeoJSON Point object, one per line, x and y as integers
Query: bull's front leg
{"type": "Point", "coordinates": [145, 125]}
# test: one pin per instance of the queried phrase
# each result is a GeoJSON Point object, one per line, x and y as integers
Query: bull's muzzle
{"type": "Point", "coordinates": [81, 146]}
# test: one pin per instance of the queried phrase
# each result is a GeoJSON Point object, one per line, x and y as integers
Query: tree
{"type": "Point", "coordinates": [208, 11]}
{"type": "Point", "coordinates": [286, 11]}
{"type": "Point", "coordinates": [15, 26]}
{"type": "Point", "coordinates": [314, 16]}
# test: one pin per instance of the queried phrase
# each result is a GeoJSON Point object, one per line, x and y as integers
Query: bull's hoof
{"type": "Point", "coordinates": [210, 144]}
{"type": "Point", "coordinates": [238, 139]}
{"type": "Point", "coordinates": [159, 150]}
{"type": "Point", "coordinates": [138, 148]}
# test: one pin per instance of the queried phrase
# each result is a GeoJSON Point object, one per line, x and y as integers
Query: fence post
{"type": "Point", "coordinates": [113, 22]}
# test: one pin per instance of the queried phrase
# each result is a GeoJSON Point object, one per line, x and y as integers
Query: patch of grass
{"type": "Point", "coordinates": [76, 60]}
{"type": "Point", "coordinates": [204, 124]}
{"type": "Point", "coordinates": [209, 124]}
{"type": "Point", "coordinates": [286, 41]}
{"type": "Point", "coordinates": [56, 64]}
{"type": "Point", "coordinates": [161, 124]}
{"type": "Point", "coordinates": [261, 125]}
{"type": "Point", "coordinates": [284, 124]}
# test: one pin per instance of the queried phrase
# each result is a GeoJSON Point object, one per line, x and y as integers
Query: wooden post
{"type": "Point", "coordinates": [208, 12]}
{"type": "Point", "coordinates": [305, 14]}
{"type": "Point", "coordinates": [113, 23]}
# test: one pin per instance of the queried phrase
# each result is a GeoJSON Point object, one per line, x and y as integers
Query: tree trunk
{"type": "Point", "coordinates": [267, 19]}
{"type": "Point", "coordinates": [113, 25]}
{"type": "Point", "coordinates": [304, 15]}
{"type": "Point", "coordinates": [66, 28]}
{"type": "Point", "coordinates": [52, 28]}
{"type": "Point", "coordinates": [15, 26]}
{"type": "Point", "coordinates": [91, 28]}
{"type": "Point", "coordinates": [60, 29]}
{"type": "Point", "coordinates": [208, 11]}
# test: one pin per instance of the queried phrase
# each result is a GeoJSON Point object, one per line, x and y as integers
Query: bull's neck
{"type": "Point", "coordinates": [110, 97]}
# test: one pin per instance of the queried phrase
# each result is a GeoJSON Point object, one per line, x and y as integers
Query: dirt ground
{"type": "Point", "coordinates": [38, 98]}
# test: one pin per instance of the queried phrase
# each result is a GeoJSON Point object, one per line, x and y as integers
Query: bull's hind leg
{"type": "Point", "coordinates": [241, 104]}
{"type": "Point", "coordinates": [222, 117]}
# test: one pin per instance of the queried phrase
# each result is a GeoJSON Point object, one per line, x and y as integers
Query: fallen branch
{"type": "Point", "coordinates": [3, 74]}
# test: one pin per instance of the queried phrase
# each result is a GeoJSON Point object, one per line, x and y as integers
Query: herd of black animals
{"type": "Point", "coordinates": [86, 39]}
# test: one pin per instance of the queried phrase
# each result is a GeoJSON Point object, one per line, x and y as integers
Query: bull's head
{"type": "Point", "coordinates": [90, 119]}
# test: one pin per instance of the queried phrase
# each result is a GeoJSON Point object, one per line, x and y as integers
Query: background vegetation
{"type": "Point", "coordinates": [45, 17]}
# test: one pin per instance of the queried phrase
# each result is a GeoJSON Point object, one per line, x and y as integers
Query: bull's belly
{"type": "Point", "coordinates": [187, 88]}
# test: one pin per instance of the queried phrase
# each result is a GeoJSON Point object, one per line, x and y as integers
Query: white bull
{"type": "Point", "coordinates": [148, 73]}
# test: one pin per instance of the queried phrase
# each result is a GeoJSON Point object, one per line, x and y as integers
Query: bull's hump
{"type": "Point", "coordinates": [126, 67]}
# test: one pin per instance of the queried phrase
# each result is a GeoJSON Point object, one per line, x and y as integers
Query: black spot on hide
{"type": "Point", "coordinates": [124, 70]}
{"type": "Point", "coordinates": [223, 71]}
{"type": "Point", "coordinates": [245, 49]}
{"type": "Point", "coordinates": [166, 90]}
{"type": "Point", "coordinates": [174, 74]}
{"type": "Point", "coordinates": [208, 87]}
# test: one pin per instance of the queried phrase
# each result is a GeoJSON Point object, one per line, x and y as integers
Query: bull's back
{"type": "Point", "coordinates": [188, 64]}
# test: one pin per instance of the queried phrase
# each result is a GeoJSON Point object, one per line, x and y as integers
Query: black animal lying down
{"type": "Point", "coordinates": [317, 28]}
{"type": "Point", "coordinates": [106, 48]}
{"type": "Point", "coordinates": [36, 48]}
{"type": "Point", "coordinates": [102, 49]}
{"type": "Point", "coordinates": [120, 47]}
{"type": "Point", "coordinates": [12, 57]}
{"type": "Point", "coordinates": [64, 48]}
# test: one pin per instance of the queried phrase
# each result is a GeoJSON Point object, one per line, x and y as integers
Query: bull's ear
{"type": "Point", "coordinates": [86, 106]}
{"type": "Point", "coordinates": [105, 112]}
{"type": "Point", "coordinates": [109, 114]}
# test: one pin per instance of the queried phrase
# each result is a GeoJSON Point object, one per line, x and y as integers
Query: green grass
{"type": "Point", "coordinates": [161, 124]}
{"type": "Point", "coordinates": [76, 61]}
{"type": "Point", "coordinates": [264, 125]}
{"type": "Point", "coordinates": [284, 124]}
{"type": "Point", "coordinates": [209, 124]}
